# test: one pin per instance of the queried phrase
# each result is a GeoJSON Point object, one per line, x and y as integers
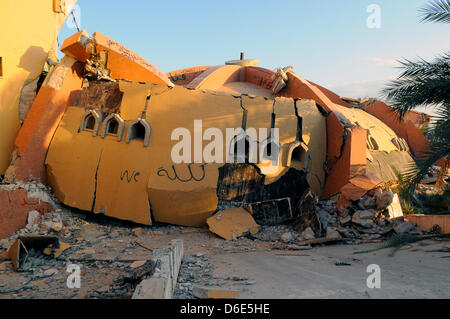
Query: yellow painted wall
{"type": "Point", "coordinates": [28, 32]}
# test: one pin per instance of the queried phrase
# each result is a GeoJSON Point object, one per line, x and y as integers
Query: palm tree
{"type": "Point", "coordinates": [424, 83]}
{"type": "Point", "coordinates": [436, 11]}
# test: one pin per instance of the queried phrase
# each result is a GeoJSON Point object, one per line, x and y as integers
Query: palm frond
{"type": "Point", "coordinates": [421, 83]}
{"type": "Point", "coordinates": [436, 11]}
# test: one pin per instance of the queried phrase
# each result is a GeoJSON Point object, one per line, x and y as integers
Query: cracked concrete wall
{"type": "Point", "coordinates": [347, 151]}
{"type": "Point", "coordinates": [134, 182]}
{"type": "Point", "coordinates": [405, 129]}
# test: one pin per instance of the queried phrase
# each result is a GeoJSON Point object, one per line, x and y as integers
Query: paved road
{"type": "Point", "coordinates": [410, 273]}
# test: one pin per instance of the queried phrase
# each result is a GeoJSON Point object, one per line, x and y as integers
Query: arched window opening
{"type": "Point", "coordinates": [270, 151]}
{"type": "Point", "coordinates": [114, 125]}
{"type": "Point", "coordinates": [372, 143]}
{"type": "Point", "coordinates": [139, 130]}
{"type": "Point", "coordinates": [241, 150]}
{"type": "Point", "coordinates": [91, 121]}
{"type": "Point", "coordinates": [298, 156]}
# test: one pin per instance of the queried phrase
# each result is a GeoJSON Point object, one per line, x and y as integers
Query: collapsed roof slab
{"type": "Point", "coordinates": [125, 64]}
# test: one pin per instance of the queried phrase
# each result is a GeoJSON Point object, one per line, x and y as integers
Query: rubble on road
{"type": "Point", "coordinates": [194, 270]}
{"type": "Point", "coordinates": [375, 215]}
{"type": "Point", "coordinates": [214, 293]}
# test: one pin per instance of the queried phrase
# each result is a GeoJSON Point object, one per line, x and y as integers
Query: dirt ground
{"type": "Point", "coordinates": [106, 249]}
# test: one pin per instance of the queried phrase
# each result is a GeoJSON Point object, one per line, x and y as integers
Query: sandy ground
{"type": "Point", "coordinates": [335, 272]}
{"type": "Point", "coordinates": [105, 250]}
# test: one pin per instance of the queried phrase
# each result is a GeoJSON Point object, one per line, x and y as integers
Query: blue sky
{"type": "Point", "coordinates": [327, 41]}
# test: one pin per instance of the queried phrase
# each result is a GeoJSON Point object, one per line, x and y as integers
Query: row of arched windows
{"type": "Point", "coordinates": [114, 125]}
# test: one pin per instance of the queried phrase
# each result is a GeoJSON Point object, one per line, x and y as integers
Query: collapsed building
{"type": "Point", "coordinates": [99, 131]}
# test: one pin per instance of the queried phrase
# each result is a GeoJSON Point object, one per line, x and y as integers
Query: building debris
{"type": "Point", "coordinates": [214, 293]}
{"type": "Point", "coordinates": [19, 251]}
{"type": "Point", "coordinates": [116, 111]}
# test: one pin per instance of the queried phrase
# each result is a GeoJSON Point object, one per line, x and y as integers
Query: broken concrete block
{"type": "Point", "coordinates": [404, 228]}
{"type": "Point", "coordinates": [364, 218]}
{"type": "Point", "coordinates": [76, 46]}
{"type": "Point", "coordinates": [287, 237]}
{"type": "Point", "coordinates": [15, 204]}
{"type": "Point", "coordinates": [232, 223]}
{"type": "Point", "coordinates": [370, 202]}
{"type": "Point", "coordinates": [359, 186]}
{"type": "Point", "coordinates": [333, 233]}
{"type": "Point", "coordinates": [308, 233]}
{"type": "Point", "coordinates": [212, 293]}
{"type": "Point", "coordinates": [342, 205]}
{"type": "Point", "coordinates": [138, 263]}
{"type": "Point", "coordinates": [33, 219]}
{"type": "Point", "coordinates": [345, 220]}
{"type": "Point", "coordinates": [395, 209]}
{"type": "Point", "coordinates": [126, 64]}
{"type": "Point", "coordinates": [163, 281]}
{"type": "Point", "coordinates": [324, 216]}
{"type": "Point", "coordinates": [384, 199]}
{"type": "Point", "coordinates": [152, 288]}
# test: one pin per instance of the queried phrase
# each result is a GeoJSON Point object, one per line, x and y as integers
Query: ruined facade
{"type": "Point", "coordinates": [99, 133]}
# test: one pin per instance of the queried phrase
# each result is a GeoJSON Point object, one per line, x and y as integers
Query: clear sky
{"type": "Point", "coordinates": [327, 41]}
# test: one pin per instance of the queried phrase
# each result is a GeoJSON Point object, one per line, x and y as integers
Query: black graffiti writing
{"type": "Point", "coordinates": [130, 178]}
{"type": "Point", "coordinates": [175, 175]}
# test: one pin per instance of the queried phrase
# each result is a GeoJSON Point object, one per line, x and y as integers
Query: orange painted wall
{"type": "Point", "coordinates": [404, 129]}
{"type": "Point", "coordinates": [125, 64]}
{"type": "Point", "coordinates": [15, 206]}
{"type": "Point", "coordinates": [351, 163]}
{"type": "Point", "coordinates": [37, 131]}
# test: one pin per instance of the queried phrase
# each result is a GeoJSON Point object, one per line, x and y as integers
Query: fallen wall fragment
{"type": "Point", "coordinates": [429, 222]}
{"type": "Point", "coordinates": [232, 223]}
{"type": "Point", "coordinates": [15, 204]}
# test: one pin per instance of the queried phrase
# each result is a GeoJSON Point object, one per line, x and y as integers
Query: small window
{"type": "Point", "coordinates": [373, 143]}
{"type": "Point", "coordinates": [114, 125]}
{"type": "Point", "coordinates": [91, 121]}
{"type": "Point", "coordinates": [271, 150]}
{"type": "Point", "coordinates": [298, 156]}
{"type": "Point", "coordinates": [243, 149]}
{"type": "Point", "coordinates": [139, 130]}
